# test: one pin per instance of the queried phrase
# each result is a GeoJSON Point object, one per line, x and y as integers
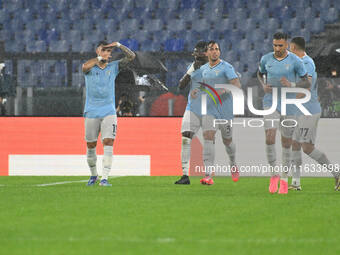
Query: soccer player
{"type": "Point", "coordinates": [192, 119]}
{"type": "Point", "coordinates": [218, 71]}
{"type": "Point", "coordinates": [305, 132]}
{"type": "Point", "coordinates": [100, 113]}
{"type": "Point", "coordinates": [275, 69]}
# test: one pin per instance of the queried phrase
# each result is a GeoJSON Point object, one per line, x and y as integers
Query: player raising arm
{"type": "Point", "coordinates": [100, 112]}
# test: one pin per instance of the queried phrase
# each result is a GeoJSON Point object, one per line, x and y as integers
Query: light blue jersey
{"type": "Point", "coordinates": [290, 67]}
{"type": "Point", "coordinates": [222, 73]}
{"type": "Point", "coordinates": [100, 91]}
{"type": "Point", "coordinates": [313, 105]}
{"type": "Point", "coordinates": [194, 104]}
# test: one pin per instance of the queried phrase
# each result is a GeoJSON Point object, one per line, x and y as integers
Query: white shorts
{"type": "Point", "coordinates": [305, 132]}
{"type": "Point", "coordinates": [107, 126]}
{"type": "Point", "coordinates": [191, 122]}
{"type": "Point", "coordinates": [275, 120]}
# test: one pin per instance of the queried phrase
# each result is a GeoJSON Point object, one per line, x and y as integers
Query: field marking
{"type": "Point", "coordinates": [173, 240]}
{"type": "Point", "coordinates": [65, 182]}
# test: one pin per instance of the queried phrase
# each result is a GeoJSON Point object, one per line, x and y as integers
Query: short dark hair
{"type": "Point", "coordinates": [201, 45]}
{"type": "Point", "coordinates": [300, 42]}
{"type": "Point", "coordinates": [213, 42]}
{"type": "Point", "coordinates": [102, 43]}
{"type": "Point", "coordinates": [280, 35]}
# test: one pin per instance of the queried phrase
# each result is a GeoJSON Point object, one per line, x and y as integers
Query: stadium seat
{"type": "Point", "coordinates": [130, 24]}
{"type": "Point", "coordinates": [132, 44]}
{"type": "Point", "coordinates": [246, 25]}
{"type": "Point", "coordinates": [153, 25]}
{"type": "Point", "coordinates": [224, 24]}
{"type": "Point", "coordinates": [174, 45]}
{"type": "Point", "coordinates": [329, 15]}
{"type": "Point", "coordinates": [317, 25]}
{"type": "Point", "coordinates": [200, 25]}
{"type": "Point", "coordinates": [189, 15]}
{"type": "Point", "coordinates": [176, 25]}
{"type": "Point", "coordinates": [59, 46]}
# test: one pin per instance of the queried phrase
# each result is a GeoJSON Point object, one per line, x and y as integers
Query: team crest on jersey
{"type": "Point", "coordinates": [287, 66]}
{"type": "Point", "coordinates": [217, 71]}
{"type": "Point", "coordinates": [108, 72]}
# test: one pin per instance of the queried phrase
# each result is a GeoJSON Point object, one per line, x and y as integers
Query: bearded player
{"type": "Point", "coordinates": [280, 67]}
{"type": "Point", "coordinates": [100, 112]}
{"type": "Point", "coordinates": [305, 132]}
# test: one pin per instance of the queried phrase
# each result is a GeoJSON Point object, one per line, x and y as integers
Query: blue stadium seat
{"type": "Point", "coordinates": [176, 25]}
{"type": "Point", "coordinates": [246, 25]}
{"type": "Point", "coordinates": [73, 35]}
{"type": "Point", "coordinates": [153, 25]}
{"type": "Point", "coordinates": [26, 16]}
{"type": "Point", "coordinates": [145, 4]}
{"type": "Point", "coordinates": [299, 4]}
{"type": "Point", "coordinates": [36, 25]}
{"type": "Point", "coordinates": [59, 46]}
{"type": "Point", "coordinates": [130, 24]}
{"type": "Point", "coordinates": [317, 25]}
{"type": "Point", "coordinates": [255, 35]}
{"type": "Point", "coordinates": [238, 15]}
{"type": "Point", "coordinates": [106, 26]}
{"type": "Point", "coordinates": [52, 35]}
{"type": "Point", "coordinates": [224, 24]}
{"type": "Point", "coordinates": [78, 79]}
{"type": "Point", "coordinates": [132, 44]}
{"type": "Point", "coordinates": [40, 46]}
{"type": "Point", "coordinates": [15, 46]}
{"type": "Point", "coordinates": [189, 14]}
{"type": "Point", "coordinates": [260, 14]}
{"type": "Point", "coordinates": [200, 25]}
{"type": "Point", "coordinates": [330, 15]}
{"type": "Point", "coordinates": [83, 25]}
{"type": "Point", "coordinates": [174, 45]}
{"type": "Point", "coordinates": [271, 25]}
{"type": "Point", "coordinates": [27, 35]}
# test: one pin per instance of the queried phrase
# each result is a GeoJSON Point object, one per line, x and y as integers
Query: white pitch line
{"type": "Point", "coordinates": [58, 183]}
{"type": "Point", "coordinates": [66, 182]}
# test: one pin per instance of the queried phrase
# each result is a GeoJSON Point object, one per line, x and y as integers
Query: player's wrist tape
{"type": "Point", "coordinates": [99, 58]}
{"type": "Point", "coordinates": [293, 84]}
{"type": "Point", "coordinates": [191, 70]}
{"type": "Point", "coordinates": [118, 44]}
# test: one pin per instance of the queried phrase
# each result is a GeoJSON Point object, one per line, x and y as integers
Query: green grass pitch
{"type": "Point", "coordinates": [151, 215]}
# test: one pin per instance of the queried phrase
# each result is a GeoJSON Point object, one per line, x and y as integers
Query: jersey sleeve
{"type": "Point", "coordinates": [300, 68]}
{"type": "Point", "coordinates": [310, 68]}
{"type": "Point", "coordinates": [230, 72]}
{"type": "Point", "coordinates": [262, 66]}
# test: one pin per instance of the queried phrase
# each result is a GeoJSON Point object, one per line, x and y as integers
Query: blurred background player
{"type": "Point", "coordinates": [279, 67]}
{"type": "Point", "coordinates": [305, 132]}
{"type": "Point", "coordinates": [192, 119]}
{"type": "Point", "coordinates": [218, 71]}
{"type": "Point", "coordinates": [100, 113]}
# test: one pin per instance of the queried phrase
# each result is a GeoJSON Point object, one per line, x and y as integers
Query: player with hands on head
{"type": "Point", "coordinates": [100, 112]}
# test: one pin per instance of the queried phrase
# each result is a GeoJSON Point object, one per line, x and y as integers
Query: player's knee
{"type": "Point", "coordinates": [91, 145]}
{"type": "Point", "coordinates": [108, 142]}
{"type": "Point", "coordinates": [227, 141]}
{"type": "Point", "coordinates": [188, 134]}
{"type": "Point", "coordinates": [270, 136]}
{"type": "Point", "coordinates": [307, 148]}
{"type": "Point", "coordinates": [209, 135]}
{"type": "Point", "coordinates": [296, 146]}
{"type": "Point", "coordinates": [286, 142]}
